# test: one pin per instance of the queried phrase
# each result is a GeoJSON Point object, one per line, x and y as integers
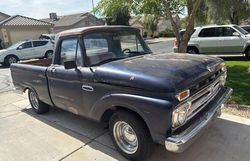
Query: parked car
{"type": "Point", "coordinates": [108, 74]}
{"type": "Point", "coordinates": [50, 37]}
{"type": "Point", "coordinates": [26, 50]}
{"type": "Point", "coordinates": [247, 28]}
{"type": "Point", "coordinates": [219, 40]}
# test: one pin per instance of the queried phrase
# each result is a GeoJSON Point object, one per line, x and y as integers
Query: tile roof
{"type": "Point", "coordinates": [23, 21]}
{"type": "Point", "coordinates": [67, 20]}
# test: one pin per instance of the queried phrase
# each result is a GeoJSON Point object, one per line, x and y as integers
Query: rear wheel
{"type": "Point", "coordinates": [10, 60]}
{"type": "Point", "coordinates": [192, 50]}
{"type": "Point", "coordinates": [130, 135]}
{"type": "Point", "coordinates": [49, 54]}
{"type": "Point", "coordinates": [247, 53]}
{"type": "Point", "coordinates": [38, 106]}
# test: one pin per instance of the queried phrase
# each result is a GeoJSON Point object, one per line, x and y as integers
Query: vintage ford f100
{"type": "Point", "coordinates": [109, 74]}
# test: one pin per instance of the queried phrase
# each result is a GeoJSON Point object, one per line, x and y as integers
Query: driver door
{"type": "Point", "coordinates": [65, 84]}
{"type": "Point", "coordinates": [25, 50]}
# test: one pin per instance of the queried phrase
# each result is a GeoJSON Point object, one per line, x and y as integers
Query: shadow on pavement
{"type": "Point", "coordinates": [223, 141]}
{"type": "Point", "coordinates": [234, 58]}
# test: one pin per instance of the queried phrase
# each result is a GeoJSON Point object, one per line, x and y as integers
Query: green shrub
{"type": "Point", "coordinates": [166, 33]}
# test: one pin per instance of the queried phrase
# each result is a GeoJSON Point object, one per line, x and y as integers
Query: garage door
{"type": "Point", "coordinates": [20, 35]}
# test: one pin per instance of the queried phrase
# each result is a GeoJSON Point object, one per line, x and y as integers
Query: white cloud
{"type": "Point", "coordinates": [42, 8]}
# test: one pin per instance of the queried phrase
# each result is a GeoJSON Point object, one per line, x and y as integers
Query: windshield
{"type": "Point", "coordinates": [241, 30]}
{"type": "Point", "coordinates": [15, 45]}
{"type": "Point", "coordinates": [103, 47]}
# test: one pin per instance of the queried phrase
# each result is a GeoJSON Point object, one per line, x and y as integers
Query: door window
{"type": "Point", "coordinates": [71, 51]}
{"type": "Point", "coordinates": [25, 45]}
{"type": "Point", "coordinates": [39, 43]}
{"type": "Point", "coordinates": [208, 32]}
{"type": "Point", "coordinates": [225, 31]}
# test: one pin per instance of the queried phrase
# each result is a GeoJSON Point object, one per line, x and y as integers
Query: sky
{"type": "Point", "coordinates": [42, 8]}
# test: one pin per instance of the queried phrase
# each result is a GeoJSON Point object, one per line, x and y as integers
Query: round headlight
{"type": "Point", "coordinates": [180, 114]}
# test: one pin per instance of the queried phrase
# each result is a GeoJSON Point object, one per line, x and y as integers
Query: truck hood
{"type": "Point", "coordinates": [161, 73]}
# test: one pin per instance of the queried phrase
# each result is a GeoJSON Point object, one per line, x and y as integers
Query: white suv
{"type": "Point", "coordinates": [26, 50]}
{"type": "Point", "coordinates": [219, 39]}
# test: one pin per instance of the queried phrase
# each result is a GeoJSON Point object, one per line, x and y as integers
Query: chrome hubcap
{"type": "Point", "coordinates": [125, 137]}
{"type": "Point", "coordinates": [12, 60]}
{"type": "Point", "coordinates": [34, 100]}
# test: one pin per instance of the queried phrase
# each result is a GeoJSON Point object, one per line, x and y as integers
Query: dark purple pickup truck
{"type": "Point", "coordinates": [109, 74]}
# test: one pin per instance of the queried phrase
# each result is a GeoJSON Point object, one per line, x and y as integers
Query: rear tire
{"type": "Point", "coordinates": [130, 135]}
{"type": "Point", "coordinates": [38, 106]}
{"type": "Point", "coordinates": [192, 50]}
{"type": "Point", "coordinates": [10, 60]}
{"type": "Point", "coordinates": [247, 53]}
{"type": "Point", "coordinates": [48, 54]}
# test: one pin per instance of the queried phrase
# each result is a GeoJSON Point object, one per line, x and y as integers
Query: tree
{"type": "Point", "coordinates": [166, 8]}
{"type": "Point", "coordinates": [116, 13]}
{"type": "Point", "coordinates": [151, 23]}
{"type": "Point", "coordinates": [223, 11]}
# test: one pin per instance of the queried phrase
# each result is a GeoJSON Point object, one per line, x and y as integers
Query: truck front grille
{"type": "Point", "coordinates": [203, 97]}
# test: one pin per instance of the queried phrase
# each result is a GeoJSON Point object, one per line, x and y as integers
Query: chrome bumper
{"type": "Point", "coordinates": [178, 143]}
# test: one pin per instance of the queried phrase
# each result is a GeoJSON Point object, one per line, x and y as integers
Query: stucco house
{"type": "Point", "coordinates": [17, 28]}
{"type": "Point", "coordinates": [163, 23]}
{"type": "Point", "coordinates": [66, 22]}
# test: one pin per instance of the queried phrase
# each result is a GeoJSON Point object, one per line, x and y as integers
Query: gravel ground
{"type": "Point", "coordinates": [238, 110]}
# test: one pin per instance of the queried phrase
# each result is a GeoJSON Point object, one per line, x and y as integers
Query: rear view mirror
{"type": "Point", "coordinates": [236, 34]}
{"type": "Point", "coordinates": [70, 65]}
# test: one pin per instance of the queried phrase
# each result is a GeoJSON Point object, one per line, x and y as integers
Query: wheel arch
{"type": "Point", "coordinates": [151, 111]}
{"type": "Point", "coordinates": [14, 55]}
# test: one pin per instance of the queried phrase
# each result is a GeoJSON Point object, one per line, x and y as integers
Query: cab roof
{"type": "Point", "coordinates": [80, 31]}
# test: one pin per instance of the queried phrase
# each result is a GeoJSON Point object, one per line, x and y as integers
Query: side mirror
{"type": "Point", "coordinates": [70, 65]}
{"type": "Point", "coordinates": [20, 48]}
{"type": "Point", "coordinates": [236, 34]}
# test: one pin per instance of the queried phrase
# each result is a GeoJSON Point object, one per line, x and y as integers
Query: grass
{"type": "Point", "coordinates": [239, 80]}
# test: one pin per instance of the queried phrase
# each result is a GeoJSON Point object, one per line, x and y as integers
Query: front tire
{"type": "Point", "coordinates": [38, 106]}
{"type": "Point", "coordinates": [130, 135]}
{"type": "Point", "coordinates": [10, 60]}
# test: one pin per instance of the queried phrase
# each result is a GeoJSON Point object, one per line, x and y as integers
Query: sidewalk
{"type": "Point", "coordinates": [60, 135]}
{"type": "Point", "coordinates": [158, 40]}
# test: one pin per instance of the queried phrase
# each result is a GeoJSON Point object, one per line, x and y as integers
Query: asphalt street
{"type": "Point", "coordinates": [6, 81]}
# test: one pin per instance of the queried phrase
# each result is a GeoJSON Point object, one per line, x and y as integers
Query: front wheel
{"type": "Point", "coordinates": [38, 106]}
{"type": "Point", "coordinates": [10, 60]}
{"type": "Point", "coordinates": [192, 50]}
{"type": "Point", "coordinates": [130, 135]}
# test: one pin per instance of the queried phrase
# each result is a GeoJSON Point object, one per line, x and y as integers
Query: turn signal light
{"type": "Point", "coordinates": [183, 95]}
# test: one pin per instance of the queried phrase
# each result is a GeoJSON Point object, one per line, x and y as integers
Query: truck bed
{"type": "Point", "coordinates": [32, 74]}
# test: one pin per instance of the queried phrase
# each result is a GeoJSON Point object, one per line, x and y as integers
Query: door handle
{"type": "Point", "coordinates": [87, 88]}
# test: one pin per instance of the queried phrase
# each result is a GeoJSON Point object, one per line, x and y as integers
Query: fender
{"type": "Point", "coordinates": [156, 113]}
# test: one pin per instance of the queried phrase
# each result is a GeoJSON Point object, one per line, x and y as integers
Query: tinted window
{"type": "Point", "coordinates": [39, 43]}
{"type": "Point", "coordinates": [225, 31]}
{"type": "Point", "coordinates": [247, 28]}
{"type": "Point", "coordinates": [70, 51]}
{"type": "Point", "coordinates": [25, 45]}
{"type": "Point", "coordinates": [208, 32]}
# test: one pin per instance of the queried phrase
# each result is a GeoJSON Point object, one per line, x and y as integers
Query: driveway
{"type": "Point", "coordinates": [59, 135]}
{"type": "Point", "coordinates": [5, 79]}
